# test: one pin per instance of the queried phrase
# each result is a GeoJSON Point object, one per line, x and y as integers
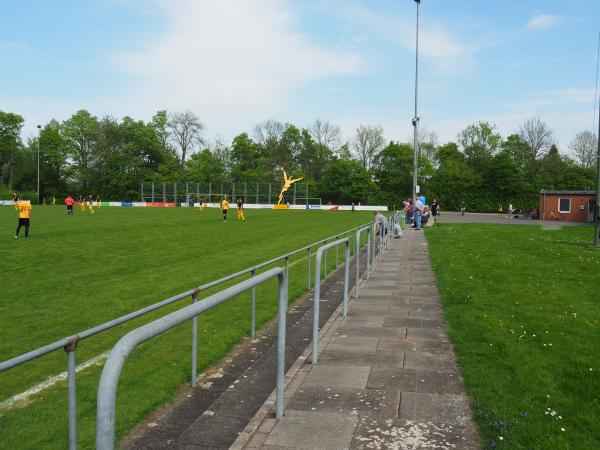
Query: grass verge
{"type": "Point", "coordinates": [76, 272]}
{"type": "Point", "coordinates": [524, 313]}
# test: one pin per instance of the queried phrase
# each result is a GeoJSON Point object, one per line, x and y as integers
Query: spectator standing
{"type": "Point", "coordinates": [462, 208]}
{"type": "Point", "coordinates": [419, 207]}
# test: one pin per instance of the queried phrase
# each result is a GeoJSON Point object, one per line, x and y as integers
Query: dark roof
{"type": "Point", "coordinates": [543, 191]}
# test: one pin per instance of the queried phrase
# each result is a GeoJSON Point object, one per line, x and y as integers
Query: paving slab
{"type": "Point", "coordinates": [409, 434]}
{"type": "Point", "coordinates": [301, 429]}
{"type": "Point", "coordinates": [386, 375]}
{"type": "Point", "coordinates": [348, 377]}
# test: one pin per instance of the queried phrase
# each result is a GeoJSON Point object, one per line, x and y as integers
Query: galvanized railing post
{"type": "Point", "coordinates": [346, 275]}
{"type": "Point", "coordinates": [281, 325]}
{"type": "Point", "coordinates": [357, 263]}
{"type": "Point", "coordinates": [317, 292]}
{"type": "Point", "coordinates": [253, 325]}
{"type": "Point", "coordinates": [336, 253]}
{"type": "Point", "coordinates": [194, 341]}
{"type": "Point", "coordinates": [107, 389]}
{"type": "Point", "coordinates": [72, 392]}
{"type": "Point", "coordinates": [368, 251]}
{"type": "Point", "coordinates": [309, 268]}
{"type": "Point", "coordinates": [325, 260]}
{"type": "Point", "coordinates": [374, 243]}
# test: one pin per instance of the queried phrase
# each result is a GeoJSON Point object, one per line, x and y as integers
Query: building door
{"type": "Point", "coordinates": [590, 211]}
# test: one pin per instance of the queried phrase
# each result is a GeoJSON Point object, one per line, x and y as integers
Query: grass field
{"type": "Point", "coordinates": [524, 314]}
{"type": "Point", "coordinates": [76, 272]}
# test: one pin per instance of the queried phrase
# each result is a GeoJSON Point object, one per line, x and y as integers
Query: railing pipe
{"type": "Point", "coordinates": [107, 390]}
{"type": "Point", "coordinates": [253, 324]}
{"type": "Point", "coordinates": [194, 343]}
{"type": "Point", "coordinates": [72, 394]}
{"type": "Point", "coordinates": [317, 292]}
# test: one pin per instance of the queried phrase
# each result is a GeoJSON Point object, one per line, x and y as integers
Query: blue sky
{"type": "Point", "coordinates": [238, 62]}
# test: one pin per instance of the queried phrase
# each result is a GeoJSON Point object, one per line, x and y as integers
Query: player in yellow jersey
{"type": "Point", "coordinates": [224, 208]}
{"type": "Point", "coordinates": [89, 205]}
{"type": "Point", "coordinates": [240, 210]}
{"type": "Point", "coordinates": [81, 204]}
{"type": "Point", "coordinates": [200, 205]}
{"type": "Point", "coordinates": [24, 208]}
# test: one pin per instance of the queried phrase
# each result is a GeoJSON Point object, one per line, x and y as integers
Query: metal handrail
{"type": "Point", "coordinates": [107, 390]}
{"type": "Point", "coordinates": [317, 290]}
{"type": "Point", "coordinates": [69, 344]}
{"type": "Point", "coordinates": [74, 339]}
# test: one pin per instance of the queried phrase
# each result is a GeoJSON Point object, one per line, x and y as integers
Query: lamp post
{"type": "Point", "coordinates": [39, 127]}
{"type": "Point", "coordinates": [415, 120]}
{"type": "Point", "coordinates": [597, 209]}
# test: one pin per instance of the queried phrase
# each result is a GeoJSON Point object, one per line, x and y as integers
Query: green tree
{"type": "Point", "coordinates": [393, 173]}
{"type": "Point", "coordinates": [80, 133]}
{"type": "Point", "coordinates": [246, 160]}
{"type": "Point", "coordinates": [479, 143]}
{"type": "Point", "coordinates": [205, 167]}
{"type": "Point", "coordinates": [53, 160]}
{"type": "Point", "coordinates": [454, 180]}
{"type": "Point", "coordinates": [346, 181]}
{"type": "Point", "coordinates": [10, 143]}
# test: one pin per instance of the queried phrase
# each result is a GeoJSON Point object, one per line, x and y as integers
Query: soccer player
{"type": "Point", "coordinates": [224, 207]}
{"type": "Point", "coordinates": [81, 204]}
{"type": "Point", "coordinates": [90, 207]}
{"type": "Point", "coordinates": [240, 210]}
{"type": "Point", "coordinates": [24, 208]}
{"type": "Point", "coordinates": [200, 205]}
{"type": "Point", "coordinates": [69, 202]}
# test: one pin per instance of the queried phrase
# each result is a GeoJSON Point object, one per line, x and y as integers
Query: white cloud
{"type": "Point", "coordinates": [542, 21]}
{"type": "Point", "coordinates": [439, 45]}
{"type": "Point", "coordinates": [234, 63]}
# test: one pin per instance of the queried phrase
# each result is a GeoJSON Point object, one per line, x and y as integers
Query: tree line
{"type": "Point", "coordinates": [108, 157]}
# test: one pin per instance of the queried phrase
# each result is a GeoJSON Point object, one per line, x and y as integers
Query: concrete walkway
{"type": "Point", "coordinates": [386, 376]}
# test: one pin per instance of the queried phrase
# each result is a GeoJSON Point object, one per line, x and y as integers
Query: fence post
{"type": "Point", "coordinates": [269, 193]}
{"type": "Point", "coordinates": [306, 184]}
{"type": "Point", "coordinates": [374, 246]}
{"type": "Point", "coordinates": [294, 194]}
{"type": "Point", "coordinates": [142, 191]}
{"type": "Point", "coordinates": [194, 340]}
{"type": "Point", "coordinates": [283, 300]}
{"type": "Point", "coordinates": [164, 192]}
{"type": "Point", "coordinates": [316, 301]}
{"type": "Point", "coordinates": [253, 326]}
{"type": "Point", "coordinates": [72, 392]}
{"type": "Point", "coordinates": [153, 192]}
{"type": "Point", "coordinates": [336, 253]}
{"type": "Point", "coordinates": [325, 263]}
{"type": "Point", "coordinates": [175, 193]}
{"type": "Point", "coordinates": [309, 268]}
{"type": "Point", "coordinates": [233, 192]}
{"type": "Point", "coordinates": [245, 192]}
{"type": "Point", "coordinates": [257, 192]}
{"type": "Point", "coordinates": [346, 275]}
{"type": "Point", "coordinates": [187, 192]}
{"type": "Point", "coordinates": [368, 251]}
{"type": "Point", "coordinates": [357, 263]}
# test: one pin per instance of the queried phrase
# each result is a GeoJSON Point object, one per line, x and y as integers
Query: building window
{"type": "Point", "coordinates": [564, 205]}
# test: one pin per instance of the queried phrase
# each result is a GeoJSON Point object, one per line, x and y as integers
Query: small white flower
{"type": "Point", "coordinates": [501, 438]}
{"type": "Point", "coordinates": [562, 429]}
{"type": "Point", "coordinates": [590, 369]}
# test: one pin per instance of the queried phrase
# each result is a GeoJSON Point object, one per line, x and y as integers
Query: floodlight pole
{"type": "Point", "coordinates": [597, 209]}
{"type": "Point", "coordinates": [39, 127]}
{"type": "Point", "coordinates": [415, 120]}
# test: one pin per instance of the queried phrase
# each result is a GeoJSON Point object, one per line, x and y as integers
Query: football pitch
{"type": "Point", "coordinates": [77, 272]}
